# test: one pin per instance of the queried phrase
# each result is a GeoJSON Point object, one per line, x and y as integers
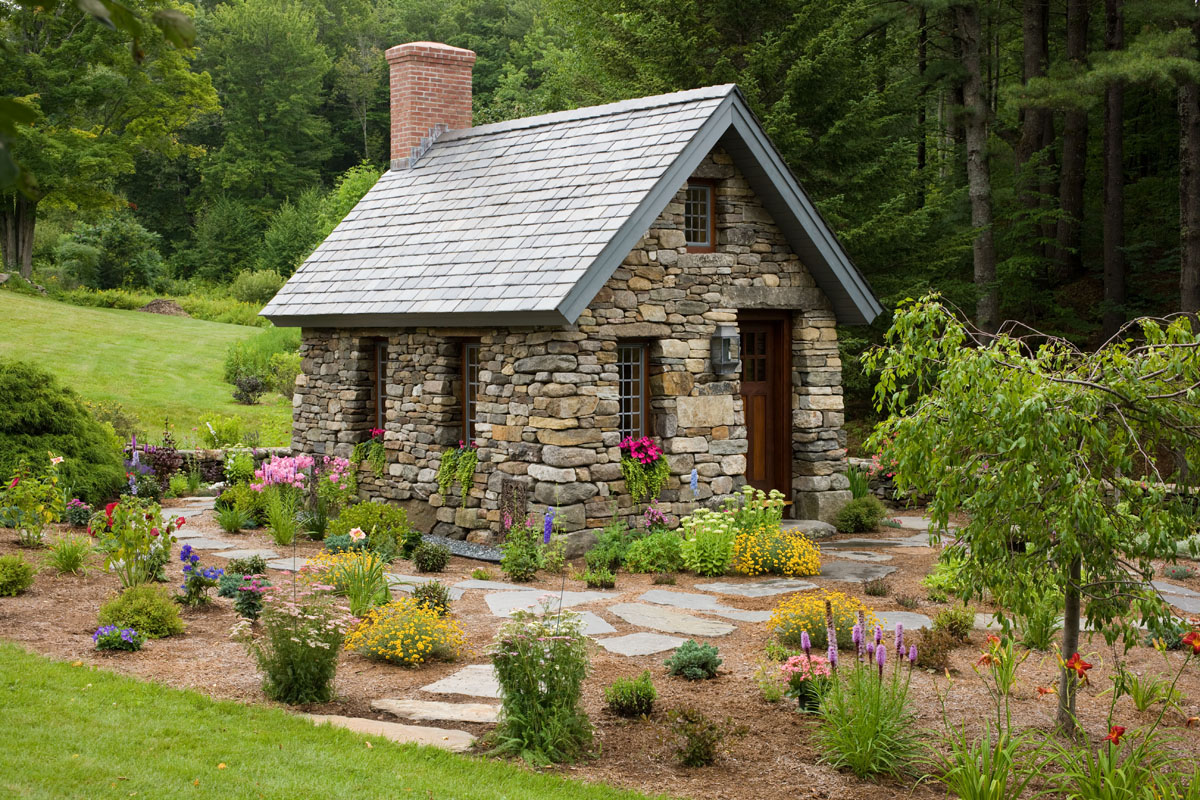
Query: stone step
{"type": "Point", "coordinates": [435, 710]}
{"type": "Point", "coordinates": [669, 620]}
{"type": "Point", "coordinates": [813, 528]}
{"type": "Point", "coordinates": [450, 739]}
{"type": "Point", "coordinates": [477, 680]}
{"type": "Point", "coordinates": [640, 644]}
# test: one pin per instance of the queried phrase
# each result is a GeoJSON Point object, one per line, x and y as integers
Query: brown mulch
{"type": "Point", "coordinates": [168, 307]}
{"type": "Point", "coordinates": [774, 760]}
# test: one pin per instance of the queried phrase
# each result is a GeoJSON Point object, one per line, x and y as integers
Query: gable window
{"type": "Point", "coordinates": [698, 229]}
{"type": "Point", "coordinates": [379, 359]}
{"type": "Point", "coordinates": [471, 389]}
{"type": "Point", "coordinates": [633, 390]}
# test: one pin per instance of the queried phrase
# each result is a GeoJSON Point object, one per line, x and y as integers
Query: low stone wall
{"type": "Point", "coordinates": [212, 462]}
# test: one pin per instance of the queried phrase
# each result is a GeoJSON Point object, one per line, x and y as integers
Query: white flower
{"type": "Point", "coordinates": [357, 534]}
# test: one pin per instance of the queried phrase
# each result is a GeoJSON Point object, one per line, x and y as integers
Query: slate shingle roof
{"type": "Point", "coordinates": [518, 221]}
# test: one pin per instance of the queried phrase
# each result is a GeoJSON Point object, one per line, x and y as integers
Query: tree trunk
{"type": "Point", "coordinates": [1069, 261]}
{"type": "Point", "coordinates": [979, 185]}
{"type": "Point", "coordinates": [1034, 122]}
{"type": "Point", "coordinates": [18, 215]}
{"type": "Point", "coordinates": [1114, 178]}
{"type": "Point", "coordinates": [1067, 682]}
{"type": "Point", "coordinates": [1189, 194]}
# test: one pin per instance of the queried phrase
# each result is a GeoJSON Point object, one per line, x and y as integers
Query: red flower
{"type": "Point", "coordinates": [14, 483]}
{"type": "Point", "coordinates": [1192, 640]}
{"type": "Point", "coordinates": [154, 532]}
{"type": "Point", "coordinates": [1079, 666]}
{"type": "Point", "coordinates": [984, 660]}
{"type": "Point", "coordinates": [1043, 691]}
{"type": "Point", "coordinates": [108, 512]}
{"type": "Point", "coordinates": [1114, 734]}
{"type": "Point", "coordinates": [179, 522]}
{"type": "Point", "coordinates": [993, 639]}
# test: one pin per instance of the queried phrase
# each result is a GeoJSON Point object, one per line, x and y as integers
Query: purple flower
{"type": "Point", "coordinates": [899, 639]}
{"type": "Point", "coordinates": [833, 653]}
{"type": "Point", "coordinates": [805, 642]}
{"type": "Point", "coordinates": [870, 649]}
{"type": "Point", "coordinates": [881, 658]}
{"type": "Point", "coordinates": [912, 654]}
{"type": "Point", "coordinates": [878, 634]}
{"type": "Point", "coordinates": [185, 552]}
{"type": "Point", "coordinates": [856, 636]}
{"type": "Point", "coordinates": [548, 528]}
{"type": "Point", "coordinates": [695, 480]}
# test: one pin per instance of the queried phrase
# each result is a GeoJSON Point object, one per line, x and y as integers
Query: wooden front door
{"type": "Point", "coordinates": [766, 401]}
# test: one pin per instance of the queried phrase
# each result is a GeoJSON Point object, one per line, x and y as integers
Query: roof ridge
{"type": "Point", "coordinates": [590, 112]}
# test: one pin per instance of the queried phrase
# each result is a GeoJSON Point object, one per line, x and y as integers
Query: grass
{"type": "Point", "coordinates": [81, 732]}
{"type": "Point", "coordinates": [156, 366]}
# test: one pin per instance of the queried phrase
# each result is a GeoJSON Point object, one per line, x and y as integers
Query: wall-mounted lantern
{"type": "Point", "coordinates": [726, 350]}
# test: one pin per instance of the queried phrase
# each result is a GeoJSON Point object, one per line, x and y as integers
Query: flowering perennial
{"type": "Point", "coordinates": [805, 612]}
{"type": "Point", "coordinates": [110, 637]}
{"type": "Point", "coordinates": [767, 549]}
{"type": "Point", "coordinates": [408, 633]}
{"type": "Point", "coordinates": [283, 471]}
{"type": "Point", "coordinates": [197, 580]}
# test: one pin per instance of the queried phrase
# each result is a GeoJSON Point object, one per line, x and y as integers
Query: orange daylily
{"type": "Point", "coordinates": [1192, 640]}
{"type": "Point", "coordinates": [1079, 666]}
{"type": "Point", "coordinates": [1115, 733]}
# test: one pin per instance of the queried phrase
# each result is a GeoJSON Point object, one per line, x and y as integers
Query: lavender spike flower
{"type": "Point", "coordinates": [880, 658]}
{"type": "Point", "coordinates": [805, 642]}
{"type": "Point", "coordinates": [899, 640]}
{"type": "Point", "coordinates": [856, 636]}
{"type": "Point", "coordinates": [549, 525]}
{"type": "Point", "coordinates": [870, 650]}
{"type": "Point", "coordinates": [878, 634]}
{"type": "Point", "coordinates": [830, 629]}
{"type": "Point", "coordinates": [912, 654]}
{"type": "Point", "coordinates": [833, 654]}
{"type": "Point", "coordinates": [695, 480]}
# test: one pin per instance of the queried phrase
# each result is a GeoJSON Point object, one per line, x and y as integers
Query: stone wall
{"type": "Point", "coordinates": [548, 413]}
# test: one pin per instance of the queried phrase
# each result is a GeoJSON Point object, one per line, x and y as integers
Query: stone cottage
{"type": "Point", "coordinates": [548, 286]}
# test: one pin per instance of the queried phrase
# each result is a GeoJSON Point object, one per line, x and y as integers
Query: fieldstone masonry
{"type": "Point", "coordinates": [548, 410]}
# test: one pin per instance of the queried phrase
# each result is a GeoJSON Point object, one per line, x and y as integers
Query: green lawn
{"type": "Point", "coordinates": [80, 732]}
{"type": "Point", "coordinates": [156, 366]}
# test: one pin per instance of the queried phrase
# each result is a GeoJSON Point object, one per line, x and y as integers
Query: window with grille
{"type": "Point", "coordinates": [471, 389]}
{"type": "Point", "coordinates": [698, 215]}
{"type": "Point", "coordinates": [632, 388]}
{"type": "Point", "coordinates": [379, 358]}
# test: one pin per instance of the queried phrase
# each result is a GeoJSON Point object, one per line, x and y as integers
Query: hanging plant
{"type": "Point", "coordinates": [644, 468]}
{"type": "Point", "coordinates": [372, 452]}
{"type": "Point", "coordinates": [458, 465]}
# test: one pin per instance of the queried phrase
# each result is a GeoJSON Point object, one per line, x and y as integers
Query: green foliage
{"type": "Point", "coordinates": [177, 485]}
{"type": "Point", "coordinates": [598, 578]}
{"type": "Point", "coordinates": [248, 596]}
{"type": "Point", "coordinates": [1145, 691]}
{"type": "Point", "coordinates": [860, 515]}
{"type": "Point", "coordinates": [293, 231]}
{"type": "Point", "coordinates": [876, 587]}
{"type": "Point", "coordinates": [148, 609]}
{"type": "Point", "coordinates": [958, 621]}
{"type": "Point", "coordinates": [457, 466]}
{"type": "Point", "coordinates": [867, 723]}
{"type": "Point", "coordinates": [227, 585]}
{"type": "Point", "coordinates": [342, 543]}
{"type": "Point", "coordinates": [217, 431]}
{"type": "Point", "coordinates": [69, 554]}
{"type": "Point", "coordinates": [113, 253]}
{"type": "Point", "coordinates": [282, 505]}
{"type": "Point", "coordinates": [522, 552]}
{"type": "Point", "coordinates": [708, 545]}
{"type": "Point", "coordinates": [212, 307]}
{"type": "Point", "coordinates": [379, 521]}
{"type": "Point", "coordinates": [252, 357]}
{"type": "Point", "coordinates": [933, 648]}
{"type": "Point", "coordinates": [431, 557]}
{"type": "Point", "coordinates": [298, 649]}
{"type": "Point", "coordinates": [645, 482]}
{"type": "Point", "coordinates": [541, 663]}
{"type": "Point", "coordinates": [135, 540]}
{"type": "Point", "coordinates": [658, 552]}
{"type": "Point", "coordinates": [256, 287]}
{"type": "Point", "coordinates": [948, 578]}
{"type": "Point", "coordinates": [433, 595]}
{"type": "Point", "coordinates": [631, 697]}
{"type": "Point", "coordinates": [30, 501]}
{"type": "Point", "coordinates": [611, 546]}
{"type": "Point", "coordinates": [859, 483]}
{"type": "Point", "coordinates": [1178, 572]}
{"type": "Point", "coordinates": [233, 519]}
{"type": "Point", "coordinates": [112, 638]}
{"type": "Point", "coordinates": [694, 661]}
{"type": "Point", "coordinates": [699, 738]}
{"type": "Point", "coordinates": [1037, 626]}
{"type": "Point", "coordinates": [250, 565]}
{"type": "Point", "coordinates": [223, 241]}
{"type": "Point", "coordinates": [15, 575]}
{"type": "Point", "coordinates": [240, 497]}
{"type": "Point", "coordinates": [989, 766]}
{"type": "Point", "coordinates": [481, 574]}
{"type": "Point", "coordinates": [38, 415]}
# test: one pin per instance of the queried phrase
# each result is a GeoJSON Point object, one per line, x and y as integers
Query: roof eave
{"type": "Point", "coordinates": [482, 319]}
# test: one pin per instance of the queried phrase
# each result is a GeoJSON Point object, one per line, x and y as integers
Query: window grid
{"type": "Point", "coordinates": [754, 356]}
{"type": "Point", "coordinates": [379, 383]}
{"type": "Point", "coordinates": [471, 387]}
{"type": "Point", "coordinates": [631, 390]}
{"type": "Point", "coordinates": [697, 215]}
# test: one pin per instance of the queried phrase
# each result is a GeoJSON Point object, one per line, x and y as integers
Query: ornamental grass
{"type": "Point", "coordinates": [407, 633]}
{"type": "Point", "coordinates": [768, 550]}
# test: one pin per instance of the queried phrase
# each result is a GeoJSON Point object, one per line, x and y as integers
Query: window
{"type": "Point", "coordinates": [698, 216]}
{"type": "Point", "coordinates": [379, 358]}
{"type": "Point", "coordinates": [470, 396]}
{"type": "Point", "coordinates": [632, 390]}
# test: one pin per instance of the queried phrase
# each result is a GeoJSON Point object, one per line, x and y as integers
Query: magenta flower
{"type": "Point", "coordinates": [912, 654]}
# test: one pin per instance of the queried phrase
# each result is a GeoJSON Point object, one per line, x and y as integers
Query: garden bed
{"type": "Point", "coordinates": [776, 758]}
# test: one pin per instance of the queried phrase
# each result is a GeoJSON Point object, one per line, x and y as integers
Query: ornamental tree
{"type": "Point", "coordinates": [1059, 458]}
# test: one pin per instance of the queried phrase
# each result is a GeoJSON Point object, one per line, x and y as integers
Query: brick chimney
{"type": "Point", "coordinates": [430, 86]}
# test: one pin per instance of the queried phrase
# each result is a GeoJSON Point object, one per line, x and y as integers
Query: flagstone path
{"type": "Point", "coordinates": [455, 741]}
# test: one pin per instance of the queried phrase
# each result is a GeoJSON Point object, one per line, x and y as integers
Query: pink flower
{"type": "Point", "coordinates": [357, 535]}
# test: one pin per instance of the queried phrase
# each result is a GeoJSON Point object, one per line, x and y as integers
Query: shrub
{"type": "Point", "coordinates": [806, 612]}
{"type": "Point", "coordinates": [611, 546]}
{"type": "Point", "coordinates": [658, 552]}
{"type": "Point", "coordinates": [808, 678]}
{"type": "Point", "coordinates": [38, 415]}
{"type": "Point", "coordinates": [282, 503]}
{"type": "Point", "coordinates": [876, 587]}
{"type": "Point", "coordinates": [358, 574]}
{"type": "Point", "coordinates": [699, 737]}
{"type": "Point", "coordinates": [481, 574]}
{"type": "Point", "coordinates": [217, 431]}
{"type": "Point", "coordinates": [124, 422]}
{"type": "Point", "coordinates": [767, 549]}
{"type": "Point", "coordinates": [908, 601]}
{"type": "Point", "coordinates": [541, 663]}
{"type": "Point", "coordinates": [867, 725]}
{"type": "Point", "coordinates": [146, 608]}
{"type": "Point", "coordinates": [298, 650]}
{"type": "Point", "coordinates": [110, 637]}
{"type": "Point", "coordinates": [77, 513]}
{"type": "Point", "coordinates": [598, 578]}
{"type": "Point", "coordinates": [860, 515]}
{"type": "Point", "coordinates": [945, 581]}
{"type": "Point", "coordinates": [344, 543]}
{"type": "Point", "coordinates": [115, 252]}
{"type": "Point", "coordinates": [238, 467]}
{"type": "Point", "coordinates": [177, 485]}
{"type": "Point", "coordinates": [248, 599]}
{"type": "Point", "coordinates": [522, 552]}
{"type": "Point", "coordinates": [69, 554]}
{"type": "Point", "coordinates": [631, 697]}
{"type": "Point", "coordinates": [431, 557]}
{"type": "Point", "coordinates": [1179, 572]}
{"type": "Point", "coordinates": [135, 540]}
{"type": "Point", "coordinates": [251, 357]}
{"type": "Point", "coordinates": [284, 368]}
{"type": "Point", "coordinates": [256, 287]}
{"type": "Point", "coordinates": [408, 633]}
{"type": "Point", "coordinates": [15, 576]}
{"type": "Point", "coordinates": [227, 585]}
{"type": "Point", "coordinates": [694, 661]}
{"type": "Point", "coordinates": [376, 520]}
{"type": "Point", "coordinates": [1038, 626]}
{"type": "Point", "coordinates": [250, 565]}
{"type": "Point", "coordinates": [29, 502]}
{"type": "Point", "coordinates": [933, 648]}
{"type": "Point", "coordinates": [233, 519]}
{"type": "Point", "coordinates": [958, 622]}
{"type": "Point", "coordinates": [770, 682]}
{"type": "Point", "coordinates": [247, 389]}
{"type": "Point", "coordinates": [197, 580]}
{"type": "Point", "coordinates": [433, 595]}
{"type": "Point", "coordinates": [708, 549]}
{"type": "Point", "coordinates": [241, 497]}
